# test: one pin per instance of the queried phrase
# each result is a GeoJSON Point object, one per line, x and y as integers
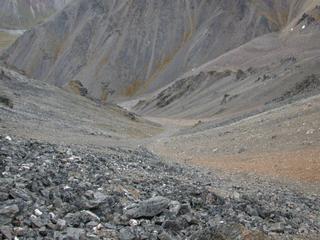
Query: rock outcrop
{"type": "Point", "coordinates": [76, 87]}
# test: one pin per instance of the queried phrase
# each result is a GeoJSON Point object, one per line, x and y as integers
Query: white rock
{"type": "Point", "coordinates": [37, 212]}
{"type": "Point", "coordinates": [8, 138]}
{"type": "Point", "coordinates": [303, 27]}
{"type": "Point", "coordinates": [99, 226]}
{"type": "Point", "coordinates": [310, 131]}
{"type": "Point", "coordinates": [74, 158]}
{"type": "Point", "coordinates": [25, 166]}
{"type": "Point", "coordinates": [133, 222]}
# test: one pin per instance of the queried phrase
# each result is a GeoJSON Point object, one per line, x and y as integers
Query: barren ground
{"type": "Point", "coordinates": [6, 39]}
{"type": "Point", "coordinates": [282, 143]}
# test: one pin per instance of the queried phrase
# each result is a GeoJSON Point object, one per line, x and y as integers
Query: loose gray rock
{"type": "Point", "coordinates": [7, 213]}
{"type": "Point", "coordinates": [75, 219]}
{"type": "Point", "coordinates": [149, 208]}
{"type": "Point", "coordinates": [85, 198]}
{"type": "Point", "coordinates": [174, 207]}
{"type": "Point", "coordinates": [6, 232]}
{"type": "Point", "coordinates": [61, 224]}
{"type": "Point", "coordinates": [278, 227]}
{"type": "Point", "coordinates": [70, 233]}
{"type": "Point", "coordinates": [126, 234]}
{"type": "Point", "coordinates": [165, 236]}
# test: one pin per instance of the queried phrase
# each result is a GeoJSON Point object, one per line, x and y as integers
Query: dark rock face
{"type": "Point", "coordinates": [304, 88]}
{"type": "Point", "coordinates": [4, 100]}
{"type": "Point", "coordinates": [143, 45]}
{"type": "Point", "coordinates": [54, 192]}
{"type": "Point", "coordinates": [76, 87]}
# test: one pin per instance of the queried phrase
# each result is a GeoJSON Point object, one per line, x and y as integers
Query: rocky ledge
{"type": "Point", "coordinates": [57, 192]}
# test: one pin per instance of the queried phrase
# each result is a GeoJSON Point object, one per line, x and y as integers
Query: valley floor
{"type": "Point", "coordinates": [281, 143]}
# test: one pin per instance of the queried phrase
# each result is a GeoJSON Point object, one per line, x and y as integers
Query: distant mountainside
{"type": "Point", "coordinates": [120, 49]}
{"type": "Point", "coordinates": [267, 72]}
{"type": "Point", "coordinates": [16, 14]}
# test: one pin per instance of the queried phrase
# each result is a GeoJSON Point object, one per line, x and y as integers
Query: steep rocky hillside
{"type": "Point", "coordinates": [16, 14]}
{"type": "Point", "coordinates": [124, 48]}
{"type": "Point", "coordinates": [269, 70]}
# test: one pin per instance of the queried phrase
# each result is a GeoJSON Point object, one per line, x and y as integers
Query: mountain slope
{"type": "Point", "coordinates": [35, 109]}
{"type": "Point", "coordinates": [132, 47]}
{"type": "Point", "coordinates": [270, 70]}
{"type": "Point", "coordinates": [15, 14]}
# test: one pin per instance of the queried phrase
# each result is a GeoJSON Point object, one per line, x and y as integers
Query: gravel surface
{"type": "Point", "coordinates": [55, 192]}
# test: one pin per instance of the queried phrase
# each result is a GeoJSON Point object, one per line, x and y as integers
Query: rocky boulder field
{"type": "Point", "coordinates": [59, 192]}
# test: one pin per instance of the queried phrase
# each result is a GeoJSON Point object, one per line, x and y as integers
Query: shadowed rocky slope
{"type": "Point", "coordinates": [124, 48]}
